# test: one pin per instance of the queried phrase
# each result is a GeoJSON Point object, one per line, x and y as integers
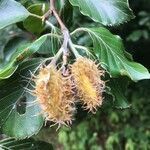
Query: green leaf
{"type": "Point", "coordinates": [66, 12]}
{"type": "Point", "coordinates": [20, 115]}
{"type": "Point", "coordinates": [12, 45]}
{"type": "Point", "coordinates": [31, 144]}
{"type": "Point", "coordinates": [32, 23]}
{"type": "Point", "coordinates": [11, 12]}
{"type": "Point", "coordinates": [118, 87]}
{"type": "Point", "coordinates": [110, 51]}
{"type": "Point", "coordinates": [19, 55]}
{"type": "Point", "coordinates": [107, 12]}
{"type": "Point", "coordinates": [7, 70]}
{"type": "Point", "coordinates": [50, 46]}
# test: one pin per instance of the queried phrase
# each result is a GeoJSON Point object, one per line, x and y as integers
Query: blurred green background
{"type": "Point", "coordinates": [111, 128]}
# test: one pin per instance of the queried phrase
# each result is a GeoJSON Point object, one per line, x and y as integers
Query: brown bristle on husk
{"type": "Point", "coordinates": [55, 95]}
{"type": "Point", "coordinates": [90, 86]}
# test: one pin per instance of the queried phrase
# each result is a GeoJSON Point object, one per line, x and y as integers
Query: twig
{"type": "Point", "coordinates": [65, 33]}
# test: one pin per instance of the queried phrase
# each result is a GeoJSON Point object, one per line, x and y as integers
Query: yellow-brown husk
{"type": "Point", "coordinates": [90, 87]}
{"type": "Point", "coordinates": [54, 93]}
